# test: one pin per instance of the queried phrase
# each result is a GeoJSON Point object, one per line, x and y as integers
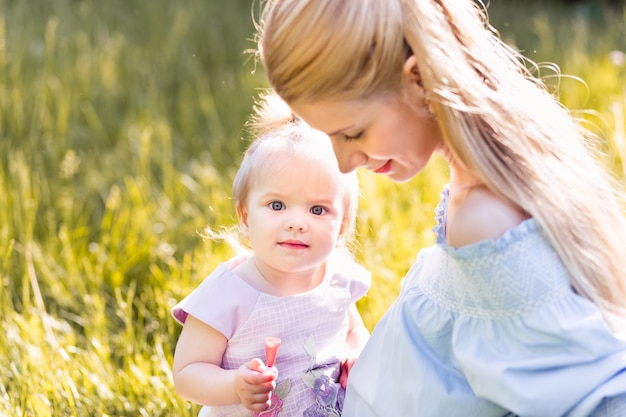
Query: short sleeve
{"type": "Point", "coordinates": [345, 272]}
{"type": "Point", "coordinates": [222, 300]}
{"type": "Point", "coordinates": [561, 360]}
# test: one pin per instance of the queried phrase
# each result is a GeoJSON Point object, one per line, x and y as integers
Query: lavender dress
{"type": "Point", "coordinates": [312, 326]}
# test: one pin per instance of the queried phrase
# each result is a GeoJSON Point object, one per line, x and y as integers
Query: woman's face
{"type": "Point", "coordinates": [386, 135]}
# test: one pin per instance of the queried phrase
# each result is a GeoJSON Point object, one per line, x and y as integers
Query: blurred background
{"type": "Point", "coordinates": [122, 123]}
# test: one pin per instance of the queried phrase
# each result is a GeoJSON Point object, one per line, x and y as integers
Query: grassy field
{"type": "Point", "coordinates": [121, 125]}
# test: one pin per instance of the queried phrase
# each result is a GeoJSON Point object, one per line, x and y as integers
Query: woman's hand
{"type": "Point", "coordinates": [254, 384]}
{"type": "Point", "coordinates": [346, 366]}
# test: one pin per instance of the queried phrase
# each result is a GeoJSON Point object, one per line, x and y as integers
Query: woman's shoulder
{"type": "Point", "coordinates": [478, 214]}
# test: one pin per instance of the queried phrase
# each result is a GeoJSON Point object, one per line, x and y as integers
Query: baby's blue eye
{"type": "Point", "coordinates": [318, 210]}
{"type": "Point", "coordinates": [276, 205]}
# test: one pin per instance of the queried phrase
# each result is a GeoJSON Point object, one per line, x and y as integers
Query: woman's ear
{"type": "Point", "coordinates": [411, 71]}
{"type": "Point", "coordinates": [413, 85]}
{"type": "Point", "coordinates": [242, 217]}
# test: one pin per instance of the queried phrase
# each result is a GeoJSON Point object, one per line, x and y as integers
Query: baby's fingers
{"type": "Point", "coordinates": [258, 402]}
{"type": "Point", "coordinates": [257, 397]}
{"type": "Point", "coordinates": [254, 384]}
{"type": "Point", "coordinates": [256, 365]}
{"type": "Point", "coordinates": [259, 373]}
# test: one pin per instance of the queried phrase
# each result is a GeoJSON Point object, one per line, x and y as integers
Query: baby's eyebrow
{"type": "Point", "coordinates": [268, 191]}
{"type": "Point", "coordinates": [326, 202]}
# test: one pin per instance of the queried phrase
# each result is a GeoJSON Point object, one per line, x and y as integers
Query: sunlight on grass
{"type": "Point", "coordinates": [122, 123]}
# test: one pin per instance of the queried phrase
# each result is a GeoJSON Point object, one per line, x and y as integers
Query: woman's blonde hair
{"type": "Point", "coordinates": [497, 117]}
{"type": "Point", "coordinates": [281, 135]}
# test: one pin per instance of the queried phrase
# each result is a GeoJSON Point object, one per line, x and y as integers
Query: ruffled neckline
{"type": "Point", "coordinates": [441, 216]}
{"type": "Point", "coordinates": [483, 247]}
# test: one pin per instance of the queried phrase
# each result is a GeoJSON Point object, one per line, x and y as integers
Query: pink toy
{"type": "Point", "coordinates": [271, 349]}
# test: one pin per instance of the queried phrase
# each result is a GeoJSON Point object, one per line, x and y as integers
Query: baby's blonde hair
{"type": "Point", "coordinates": [496, 115]}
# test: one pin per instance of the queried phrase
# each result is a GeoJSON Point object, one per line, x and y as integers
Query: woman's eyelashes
{"type": "Point", "coordinates": [356, 136]}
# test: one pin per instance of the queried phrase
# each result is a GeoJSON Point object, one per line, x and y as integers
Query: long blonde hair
{"type": "Point", "coordinates": [497, 117]}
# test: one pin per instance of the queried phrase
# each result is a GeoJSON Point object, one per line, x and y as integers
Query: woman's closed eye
{"type": "Point", "coordinates": [356, 136]}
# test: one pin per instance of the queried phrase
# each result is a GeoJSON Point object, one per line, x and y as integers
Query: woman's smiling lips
{"type": "Point", "coordinates": [293, 244]}
{"type": "Point", "coordinates": [384, 169]}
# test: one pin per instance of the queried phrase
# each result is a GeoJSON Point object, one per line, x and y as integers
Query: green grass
{"type": "Point", "coordinates": [121, 125]}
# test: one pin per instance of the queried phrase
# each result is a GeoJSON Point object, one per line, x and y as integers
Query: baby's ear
{"type": "Point", "coordinates": [242, 217]}
{"type": "Point", "coordinates": [343, 230]}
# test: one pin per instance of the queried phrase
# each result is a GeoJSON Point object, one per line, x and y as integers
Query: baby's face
{"type": "Point", "coordinates": [294, 214]}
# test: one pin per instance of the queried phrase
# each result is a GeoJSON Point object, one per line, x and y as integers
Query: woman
{"type": "Point", "coordinates": [519, 307]}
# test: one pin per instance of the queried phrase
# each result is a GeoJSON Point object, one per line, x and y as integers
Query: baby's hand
{"type": "Point", "coordinates": [254, 384]}
{"type": "Point", "coordinates": [345, 370]}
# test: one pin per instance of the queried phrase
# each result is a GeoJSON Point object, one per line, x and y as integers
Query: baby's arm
{"type": "Point", "coordinates": [198, 376]}
{"type": "Point", "coordinates": [356, 338]}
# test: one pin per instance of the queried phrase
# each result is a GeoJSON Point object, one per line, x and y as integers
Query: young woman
{"type": "Point", "coordinates": [519, 307]}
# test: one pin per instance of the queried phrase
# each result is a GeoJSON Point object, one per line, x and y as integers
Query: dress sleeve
{"type": "Point", "coordinates": [222, 300]}
{"type": "Point", "coordinates": [611, 407]}
{"type": "Point", "coordinates": [561, 360]}
{"type": "Point", "coordinates": [345, 272]}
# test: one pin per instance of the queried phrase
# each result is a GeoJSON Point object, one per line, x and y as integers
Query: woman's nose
{"type": "Point", "coordinates": [347, 167]}
{"type": "Point", "coordinates": [347, 160]}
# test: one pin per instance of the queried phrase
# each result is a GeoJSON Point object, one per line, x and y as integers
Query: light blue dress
{"type": "Point", "coordinates": [489, 329]}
